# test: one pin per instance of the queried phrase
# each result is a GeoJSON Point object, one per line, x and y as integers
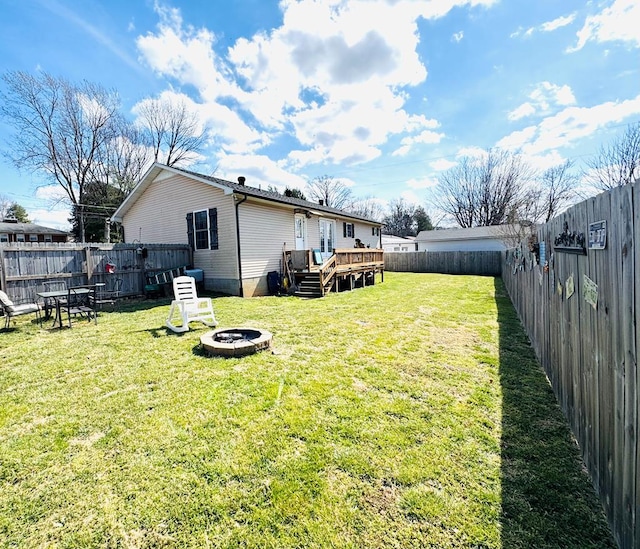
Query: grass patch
{"type": "Point", "coordinates": [406, 414]}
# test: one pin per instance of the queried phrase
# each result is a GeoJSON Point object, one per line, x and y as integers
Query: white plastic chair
{"type": "Point", "coordinates": [189, 306]}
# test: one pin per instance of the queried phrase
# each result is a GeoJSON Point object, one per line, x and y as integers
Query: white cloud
{"type": "Point", "coordinates": [225, 127]}
{"type": "Point", "coordinates": [471, 152]}
{"type": "Point", "coordinates": [411, 197]}
{"type": "Point", "coordinates": [425, 137]}
{"type": "Point", "coordinates": [259, 170]}
{"type": "Point", "coordinates": [518, 139]}
{"type": "Point", "coordinates": [548, 26]}
{"type": "Point", "coordinates": [570, 125]}
{"type": "Point", "coordinates": [56, 214]}
{"type": "Point", "coordinates": [524, 110]}
{"type": "Point", "coordinates": [423, 183]}
{"type": "Point", "coordinates": [332, 76]}
{"type": "Point", "coordinates": [558, 23]}
{"type": "Point", "coordinates": [618, 22]}
{"type": "Point", "coordinates": [457, 37]}
{"type": "Point", "coordinates": [543, 98]}
{"type": "Point", "coordinates": [55, 219]}
{"type": "Point", "coordinates": [442, 164]}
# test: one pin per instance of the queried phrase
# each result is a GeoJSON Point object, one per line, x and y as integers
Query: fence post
{"type": "Point", "coordinates": [3, 279]}
{"type": "Point", "coordinates": [88, 263]}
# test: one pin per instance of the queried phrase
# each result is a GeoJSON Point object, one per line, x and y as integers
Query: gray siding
{"type": "Point", "coordinates": [467, 245]}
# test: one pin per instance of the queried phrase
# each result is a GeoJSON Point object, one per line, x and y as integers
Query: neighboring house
{"type": "Point", "coordinates": [238, 233]}
{"type": "Point", "coordinates": [464, 240]}
{"type": "Point", "coordinates": [14, 231]}
{"type": "Point", "coordinates": [392, 243]}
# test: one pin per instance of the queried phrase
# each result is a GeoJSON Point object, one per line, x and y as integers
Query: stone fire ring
{"type": "Point", "coordinates": [252, 340]}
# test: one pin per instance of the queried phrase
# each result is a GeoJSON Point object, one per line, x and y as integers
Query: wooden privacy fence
{"type": "Point", "coordinates": [472, 263]}
{"type": "Point", "coordinates": [24, 267]}
{"type": "Point", "coordinates": [579, 306]}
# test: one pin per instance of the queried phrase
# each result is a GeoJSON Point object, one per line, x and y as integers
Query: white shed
{"type": "Point", "coordinates": [464, 240]}
{"type": "Point", "coordinates": [392, 243]}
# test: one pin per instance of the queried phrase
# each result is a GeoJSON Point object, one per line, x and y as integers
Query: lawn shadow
{"type": "Point", "coordinates": [548, 500]}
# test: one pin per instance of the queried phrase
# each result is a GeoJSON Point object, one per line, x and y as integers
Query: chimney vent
{"type": "Point", "coordinates": [321, 202]}
{"type": "Point", "coordinates": [241, 180]}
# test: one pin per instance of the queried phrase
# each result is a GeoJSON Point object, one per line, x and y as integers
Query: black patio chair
{"type": "Point", "coordinates": [49, 303]}
{"type": "Point", "coordinates": [80, 301]}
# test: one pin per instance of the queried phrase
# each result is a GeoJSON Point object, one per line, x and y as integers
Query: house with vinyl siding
{"type": "Point", "coordinates": [473, 239]}
{"type": "Point", "coordinates": [238, 232]}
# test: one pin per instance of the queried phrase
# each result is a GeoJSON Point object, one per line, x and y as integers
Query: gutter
{"type": "Point", "coordinates": [238, 244]}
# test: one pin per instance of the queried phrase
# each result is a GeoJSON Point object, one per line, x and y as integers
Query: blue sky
{"type": "Point", "coordinates": [380, 94]}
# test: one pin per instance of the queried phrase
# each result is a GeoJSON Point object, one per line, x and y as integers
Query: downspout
{"type": "Point", "coordinates": [238, 243]}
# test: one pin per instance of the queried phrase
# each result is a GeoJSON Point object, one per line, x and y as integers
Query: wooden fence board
{"type": "Point", "coordinates": [635, 200]}
{"type": "Point", "coordinates": [24, 267]}
{"type": "Point", "coordinates": [478, 263]}
{"type": "Point", "coordinates": [590, 354]}
{"type": "Point", "coordinates": [624, 207]}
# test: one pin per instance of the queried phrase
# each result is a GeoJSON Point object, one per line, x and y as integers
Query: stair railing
{"type": "Point", "coordinates": [327, 273]}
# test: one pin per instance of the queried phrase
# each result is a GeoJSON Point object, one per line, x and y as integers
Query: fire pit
{"type": "Point", "coordinates": [231, 342]}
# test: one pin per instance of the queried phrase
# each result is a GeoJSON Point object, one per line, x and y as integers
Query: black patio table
{"type": "Point", "coordinates": [58, 297]}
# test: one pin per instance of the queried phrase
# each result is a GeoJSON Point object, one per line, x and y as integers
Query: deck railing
{"type": "Point", "coordinates": [327, 273]}
{"type": "Point", "coordinates": [345, 268]}
{"type": "Point", "coordinates": [303, 260]}
{"type": "Point", "coordinates": [359, 256]}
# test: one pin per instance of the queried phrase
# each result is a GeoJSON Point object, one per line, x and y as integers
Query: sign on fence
{"type": "Point", "coordinates": [598, 235]}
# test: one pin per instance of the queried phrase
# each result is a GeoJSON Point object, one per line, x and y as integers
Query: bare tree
{"type": "Point", "coordinates": [486, 190]}
{"type": "Point", "coordinates": [59, 128]}
{"type": "Point", "coordinates": [125, 158]}
{"type": "Point", "coordinates": [618, 163]}
{"type": "Point", "coordinates": [368, 207]}
{"type": "Point", "coordinates": [5, 205]}
{"type": "Point", "coordinates": [556, 191]}
{"type": "Point", "coordinates": [552, 191]}
{"type": "Point", "coordinates": [333, 192]}
{"type": "Point", "coordinates": [173, 131]}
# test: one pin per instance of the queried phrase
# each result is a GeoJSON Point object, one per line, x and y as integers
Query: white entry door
{"type": "Point", "coordinates": [327, 237]}
{"type": "Point", "coordinates": [301, 231]}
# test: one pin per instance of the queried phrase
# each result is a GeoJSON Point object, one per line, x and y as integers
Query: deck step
{"type": "Point", "coordinates": [309, 286]}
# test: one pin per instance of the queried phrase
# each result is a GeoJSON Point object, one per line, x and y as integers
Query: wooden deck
{"type": "Point", "coordinates": [346, 269]}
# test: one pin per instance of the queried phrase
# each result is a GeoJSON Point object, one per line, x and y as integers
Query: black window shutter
{"type": "Point", "coordinates": [344, 229]}
{"type": "Point", "coordinates": [190, 231]}
{"type": "Point", "coordinates": [213, 228]}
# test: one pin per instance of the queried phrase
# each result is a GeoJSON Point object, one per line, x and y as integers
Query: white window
{"type": "Point", "coordinates": [48, 238]}
{"type": "Point", "coordinates": [20, 237]}
{"type": "Point", "coordinates": [4, 237]}
{"type": "Point", "coordinates": [33, 238]}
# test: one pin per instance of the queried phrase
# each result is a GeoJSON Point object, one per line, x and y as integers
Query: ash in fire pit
{"type": "Point", "coordinates": [227, 336]}
{"type": "Point", "coordinates": [231, 342]}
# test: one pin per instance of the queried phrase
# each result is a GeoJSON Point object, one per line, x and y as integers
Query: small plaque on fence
{"type": "Point", "coordinates": [590, 292]}
{"type": "Point", "coordinates": [569, 286]}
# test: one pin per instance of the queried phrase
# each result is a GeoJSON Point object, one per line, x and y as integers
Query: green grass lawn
{"type": "Point", "coordinates": [407, 414]}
